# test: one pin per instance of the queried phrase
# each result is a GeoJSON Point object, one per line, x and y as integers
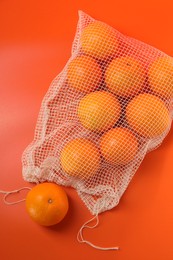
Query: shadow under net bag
{"type": "Point", "coordinates": [110, 106]}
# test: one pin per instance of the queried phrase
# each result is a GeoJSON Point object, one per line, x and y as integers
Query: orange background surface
{"type": "Point", "coordinates": [35, 43]}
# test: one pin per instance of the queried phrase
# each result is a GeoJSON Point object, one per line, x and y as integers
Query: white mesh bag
{"type": "Point", "coordinates": [110, 106]}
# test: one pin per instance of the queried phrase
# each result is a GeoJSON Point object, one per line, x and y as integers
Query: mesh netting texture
{"type": "Point", "coordinates": [110, 106]}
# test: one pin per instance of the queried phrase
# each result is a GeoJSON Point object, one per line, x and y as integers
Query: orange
{"type": "Point", "coordinates": [99, 111]}
{"type": "Point", "coordinates": [99, 40]}
{"type": "Point", "coordinates": [119, 146]}
{"type": "Point", "coordinates": [161, 77]}
{"type": "Point", "coordinates": [84, 74]}
{"type": "Point", "coordinates": [125, 76]}
{"type": "Point", "coordinates": [148, 115]}
{"type": "Point", "coordinates": [80, 158]}
{"type": "Point", "coordinates": [47, 204]}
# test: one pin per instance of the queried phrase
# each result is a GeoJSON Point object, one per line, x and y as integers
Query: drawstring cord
{"type": "Point", "coordinates": [82, 240]}
{"type": "Point", "coordinates": [8, 193]}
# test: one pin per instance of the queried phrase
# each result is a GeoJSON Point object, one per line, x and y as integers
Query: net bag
{"type": "Point", "coordinates": [110, 106]}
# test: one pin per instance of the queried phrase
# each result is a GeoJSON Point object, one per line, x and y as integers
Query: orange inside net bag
{"type": "Point", "coordinates": [110, 106]}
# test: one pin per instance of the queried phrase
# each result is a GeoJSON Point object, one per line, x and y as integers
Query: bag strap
{"type": "Point", "coordinates": [8, 193]}
{"type": "Point", "coordinates": [82, 240]}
